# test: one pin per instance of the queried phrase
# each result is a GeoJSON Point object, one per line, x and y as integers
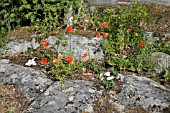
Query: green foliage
{"type": "Point", "coordinates": [46, 14]}
{"type": "Point", "coordinates": [122, 48]}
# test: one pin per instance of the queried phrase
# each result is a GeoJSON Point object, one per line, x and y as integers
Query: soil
{"type": "Point", "coordinates": [13, 100]}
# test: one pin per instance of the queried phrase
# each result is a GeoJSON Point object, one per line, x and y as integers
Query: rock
{"type": "Point", "coordinates": [161, 61]}
{"type": "Point", "coordinates": [98, 2]}
{"type": "Point", "coordinates": [108, 2]}
{"type": "Point", "coordinates": [26, 80]}
{"type": "Point", "coordinates": [142, 91]}
{"type": "Point", "coordinates": [21, 46]}
{"type": "Point", "coordinates": [16, 47]}
{"type": "Point", "coordinates": [34, 44]}
{"type": "Point", "coordinates": [62, 99]}
{"type": "Point", "coordinates": [79, 46]}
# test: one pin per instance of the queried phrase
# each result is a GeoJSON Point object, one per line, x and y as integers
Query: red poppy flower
{"type": "Point", "coordinates": [98, 35]}
{"type": "Point", "coordinates": [136, 34]}
{"type": "Point", "coordinates": [46, 43]}
{"type": "Point", "coordinates": [142, 43]}
{"type": "Point", "coordinates": [168, 40]}
{"type": "Point", "coordinates": [55, 61]}
{"type": "Point", "coordinates": [128, 30]}
{"type": "Point", "coordinates": [105, 24]}
{"type": "Point", "coordinates": [78, 63]}
{"type": "Point", "coordinates": [85, 55]}
{"type": "Point", "coordinates": [69, 29]}
{"type": "Point", "coordinates": [105, 35]}
{"type": "Point", "coordinates": [70, 59]}
{"type": "Point", "coordinates": [44, 61]}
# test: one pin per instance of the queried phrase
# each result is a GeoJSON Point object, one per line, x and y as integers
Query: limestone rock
{"type": "Point", "coordinates": [79, 46]}
{"type": "Point", "coordinates": [26, 80]}
{"type": "Point", "coordinates": [161, 61]}
{"type": "Point", "coordinates": [142, 91]}
{"type": "Point", "coordinates": [61, 99]}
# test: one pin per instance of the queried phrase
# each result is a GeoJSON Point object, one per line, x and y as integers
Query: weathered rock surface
{"type": "Point", "coordinates": [70, 97]}
{"type": "Point", "coordinates": [26, 80]}
{"type": "Point", "coordinates": [144, 92]}
{"type": "Point", "coordinates": [161, 61]}
{"type": "Point", "coordinates": [47, 96]}
{"type": "Point", "coordinates": [108, 2]}
{"type": "Point", "coordinates": [79, 46]}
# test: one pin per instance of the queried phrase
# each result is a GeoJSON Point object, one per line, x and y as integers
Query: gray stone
{"type": "Point", "coordinates": [144, 92]}
{"type": "Point", "coordinates": [79, 46]}
{"type": "Point", "coordinates": [112, 2]}
{"type": "Point", "coordinates": [34, 44]}
{"type": "Point", "coordinates": [161, 61]}
{"type": "Point", "coordinates": [98, 2]}
{"type": "Point", "coordinates": [26, 80]}
{"type": "Point", "coordinates": [20, 46]}
{"type": "Point", "coordinates": [68, 97]}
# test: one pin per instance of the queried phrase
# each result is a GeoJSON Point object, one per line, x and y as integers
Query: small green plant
{"type": "Point", "coordinates": [122, 46]}
{"type": "Point", "coordinates": [108, 79]}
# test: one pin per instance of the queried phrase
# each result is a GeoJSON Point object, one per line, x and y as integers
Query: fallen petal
{"type": "Point", "coordinates": [110, 78]}
{"type": "Point", "coordinates": [107, 74]}
{"type": "Point", "coordinates": [87, 74]}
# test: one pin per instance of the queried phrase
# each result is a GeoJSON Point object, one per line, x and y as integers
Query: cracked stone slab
{"type": "Point", "coordinates": [145, 92]}
{"type": "Point", "coordinates": [69, 97]}
{"type": "Point", "coordinates": [25, 79]}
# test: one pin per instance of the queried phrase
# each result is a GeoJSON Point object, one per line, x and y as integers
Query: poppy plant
{"type": "Point", "coordinates": [105, 24]}
{"type": "Point", "coordinates": [46, 43]}
{"type": "Point", "coordinates": [78, 63]}
{"type": "Point", "coordinates": [136, 34]}
{"type": "Point", "coordinates": [105, 35]}
{"type": "Point", "coordinates": [98, 35]}
{"type": "Point", "coordinates": [85, 55]}
{"type": "Point", "coordinates": [128, 30]}
{"type": "Point", "coordinates": [70, 59]}
{"type": "Point", "coordinates": [69, 29]}
{"type": "Point", "coordinates": [168, 40]}
{"type": "Point", "coordinates": [44, 61]}
{"type": "Point", "coordinates": [55, 61]}
{"type": "Point", "coordinates": [142, 43]}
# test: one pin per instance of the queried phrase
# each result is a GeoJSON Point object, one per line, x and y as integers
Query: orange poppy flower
{"type": "Point", "coordinates": [105, 35]}
{"type": "Point", "coordinates": [136, 34]}
{"type": "Point", "coordinates": [46, 43]}
{"type": "Point", "coordinates": [128, 30]}
{"type": "Point", "coordinates": [44, 61]}
{"type": "Point", "coordinates": [70, 59]}
{"type": "Point", "coordinates": [69, 29]}
{"type": "Point", "coordinates": [98, 35]}
{"type": "Point", "coordinates": [105, 24]}
{"type": "Point", "coordinates": [55, 61]}
{"type": "Point", "coordinates": [168, 40]}
{"type": "Point", "coordinates": [142, 43]}
{"type": "Point", "coordinates": [78, 63]}
{"type": "Point", "coordinates": [85, 55]}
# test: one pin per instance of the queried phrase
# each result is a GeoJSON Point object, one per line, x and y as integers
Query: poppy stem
{"type": "Point", "coordinates": [70, 43]}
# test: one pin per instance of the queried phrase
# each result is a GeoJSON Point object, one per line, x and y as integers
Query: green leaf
{"type": "Point", "coordinates": [12, 15]}
{"type": "Point", "coordinates": [132, 68]}
{"type": "Point", "coordinates": [24, 1]}
{"type": "Point", "coordinates": [35, 1]}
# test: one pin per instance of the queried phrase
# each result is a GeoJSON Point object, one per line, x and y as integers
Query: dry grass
{"type": "Point", "coordinates": [11, 101]}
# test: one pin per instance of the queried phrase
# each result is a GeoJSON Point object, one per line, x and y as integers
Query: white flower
{"type": "Point", "coordinates": [107, 74]}
{"type": "Point", "coordinates": [110, 78]}
{"type": "Point", "coordinates": [31, 62]}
